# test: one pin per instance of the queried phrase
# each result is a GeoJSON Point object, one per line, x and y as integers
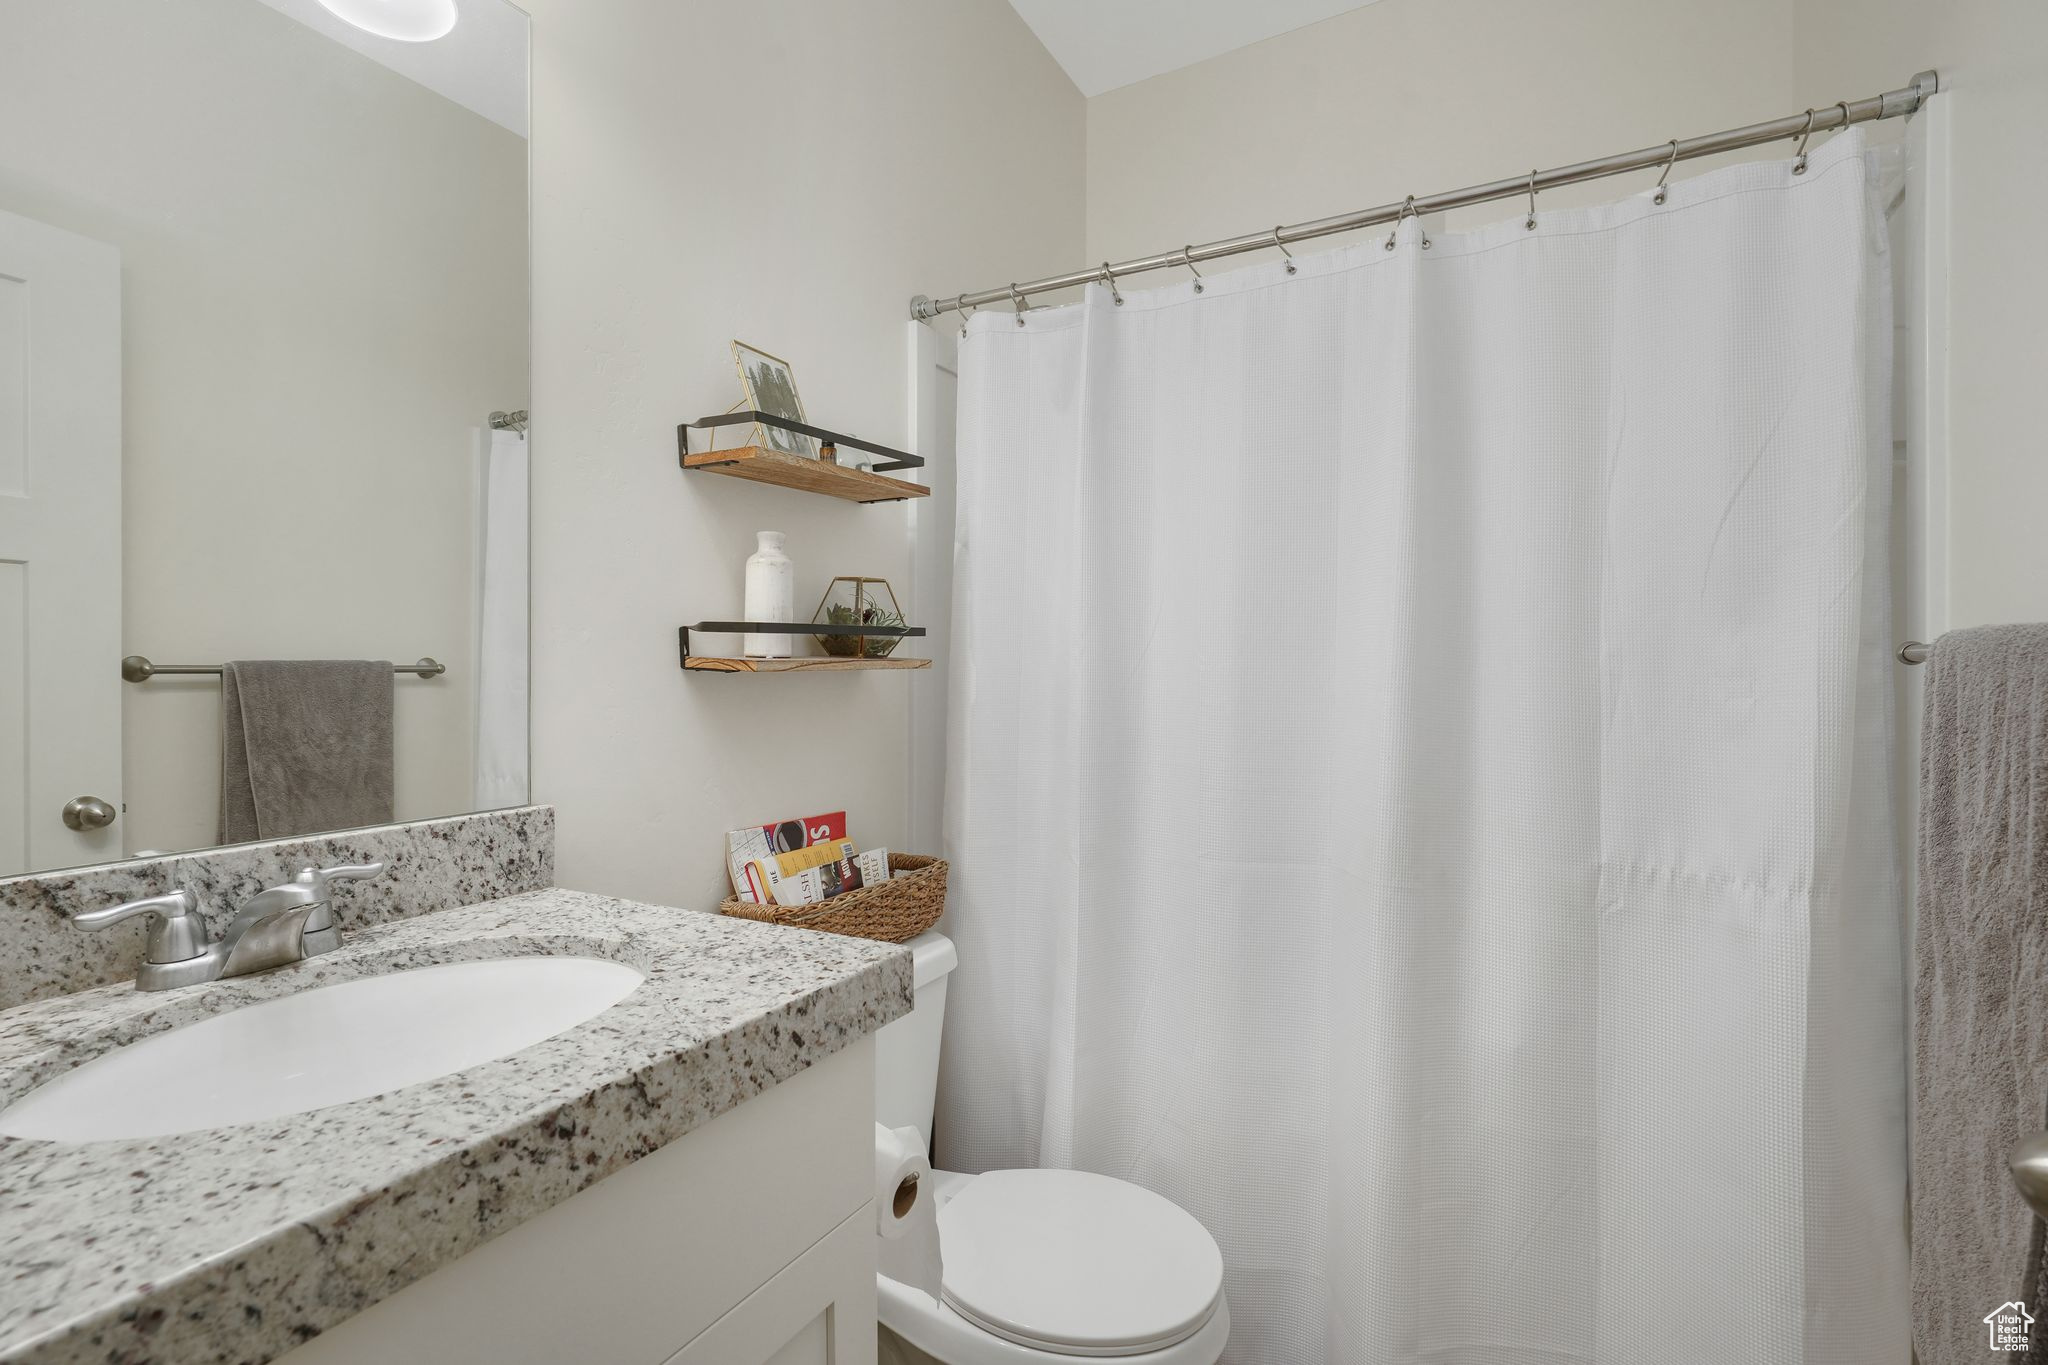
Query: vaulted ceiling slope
{"type": "Point", "coordinates": [1103, 44]}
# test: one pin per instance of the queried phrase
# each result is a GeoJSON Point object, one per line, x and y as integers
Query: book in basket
{"type": "Point", "coordinates": [754, 842]}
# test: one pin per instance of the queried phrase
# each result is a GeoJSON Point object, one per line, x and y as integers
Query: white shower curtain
{"type": "Point", "coordinates": [1418, 780]}
{"type": "Point", "coordinates": [500, 776]}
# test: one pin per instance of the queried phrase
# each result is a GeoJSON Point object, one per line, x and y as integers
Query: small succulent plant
{"type": "Point", "coordinates": [851, 646]}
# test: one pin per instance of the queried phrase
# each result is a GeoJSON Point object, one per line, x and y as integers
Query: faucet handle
{"type": "Point", "coordinates": [316, 878]}
{"type": "Point", "coordinates": [176, 932]}
{"type": "Point", "coordinates": [353, 872]}
{"type": "Point", "coordinates": [309, 887]}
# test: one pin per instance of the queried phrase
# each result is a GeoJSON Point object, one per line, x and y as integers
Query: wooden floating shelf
{"type": "Point", "coordinates": [821, 663]}
{"type": "Point", "coordinates": [763, 465]}
{"type": "Point", "coordinates": [780, 467]}
{"type": "Point", "coordinates": [699, 663]}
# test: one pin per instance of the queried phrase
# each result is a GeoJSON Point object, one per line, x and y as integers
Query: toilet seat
{"type": "Point", "coordinates": [1077, 1264]}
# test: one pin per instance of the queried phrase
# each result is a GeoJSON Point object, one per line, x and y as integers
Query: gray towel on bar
{"type": "Point", "coordinates": [305, 746]}
{"type": "Point", "coordinates": [1981, 995]}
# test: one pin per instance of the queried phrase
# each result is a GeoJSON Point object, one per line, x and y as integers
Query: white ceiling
{"type": "Point", "coordinates": [1107, 43]}
{"type": "Point", "coordinates": [481, 64]}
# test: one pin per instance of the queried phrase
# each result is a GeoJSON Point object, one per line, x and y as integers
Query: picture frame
{"type": "Point", "coordinates": [771, 388]}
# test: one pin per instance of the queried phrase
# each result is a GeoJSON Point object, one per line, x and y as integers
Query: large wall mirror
{"type": "Point", "coordinates": [263, 285]}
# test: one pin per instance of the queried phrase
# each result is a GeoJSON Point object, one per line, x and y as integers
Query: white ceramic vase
{"type": "Point", "coordinates": [771, 596]}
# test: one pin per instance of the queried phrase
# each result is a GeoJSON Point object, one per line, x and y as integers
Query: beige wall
{"type": "Point", "coordinates": [1411, 96]}
{"type": "Point", "coordinates": [1414, 96]}
{"type": "Point", "coordinates": [788, 173]}
{"type": "Point", "coordinates": [323, 286]}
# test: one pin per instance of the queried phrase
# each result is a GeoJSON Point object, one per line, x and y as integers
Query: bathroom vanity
{"type": "Point", "coordinates": [685, 1176]}
{"type": "Point", "coordinates": [749, 1240]}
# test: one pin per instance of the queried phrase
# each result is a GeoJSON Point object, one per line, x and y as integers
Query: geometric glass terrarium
{"type": "Point", "coordinates": [856, 601]}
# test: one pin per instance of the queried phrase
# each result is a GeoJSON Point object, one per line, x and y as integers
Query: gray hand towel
{"type": "Point", "coordinates": [305, 747]}
{"type": "Point", "coordinates": [1981, 995]}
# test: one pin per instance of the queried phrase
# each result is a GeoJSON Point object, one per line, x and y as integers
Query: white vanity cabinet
{"type": "Point", "coordinates": [749, 1241]}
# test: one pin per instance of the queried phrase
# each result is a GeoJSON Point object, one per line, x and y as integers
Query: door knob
{"type": "Point", "coordinates": [2029, 1164]}
{"type": "Point", "coordinates": [88, 812]}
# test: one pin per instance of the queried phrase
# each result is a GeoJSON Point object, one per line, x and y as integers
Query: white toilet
{"type": "Point", "coordinates": [1040, 1266]}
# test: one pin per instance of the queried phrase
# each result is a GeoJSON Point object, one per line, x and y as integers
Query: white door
{"type": "Point", "coordinates": [60, 546]}
{"type": "Point", "coordinates": [934, 393]}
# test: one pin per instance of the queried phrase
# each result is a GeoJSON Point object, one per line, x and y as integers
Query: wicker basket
{"type": "Point", "coordinates": [892, 911]}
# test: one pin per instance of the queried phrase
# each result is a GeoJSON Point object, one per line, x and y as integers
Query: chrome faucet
{"type": "Point", "coordinates": [274, 928]}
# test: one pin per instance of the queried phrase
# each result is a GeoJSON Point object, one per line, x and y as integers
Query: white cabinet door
{"type": "Point", "coordinates": [60, 542]}
{"type": "Point", "coordinates": [667, 1252]}
{"type": "Point", "coordinates": [820, 1310]}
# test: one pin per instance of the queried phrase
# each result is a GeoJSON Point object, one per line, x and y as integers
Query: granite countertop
{"type": "Point", "coordinates": [235, 1244]}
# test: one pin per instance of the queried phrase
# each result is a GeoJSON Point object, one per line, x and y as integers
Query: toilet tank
{"type": "Point", "coordinates": [907, 1051]}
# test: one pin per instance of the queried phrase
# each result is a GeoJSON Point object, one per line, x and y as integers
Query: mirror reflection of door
{"type": "Point", "coordinates": [60, 546]}
{"type": "Point", "coordinates": [279, 274]}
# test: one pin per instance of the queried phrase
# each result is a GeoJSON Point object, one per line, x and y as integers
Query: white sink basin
{"type": "Point", "coordinates": [320, 1047]}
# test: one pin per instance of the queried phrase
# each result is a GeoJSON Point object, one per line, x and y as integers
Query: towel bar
{"type": "Point", "coordinates": [137, 669]}
{"type": "Point", "coordinates": [1913, 652]}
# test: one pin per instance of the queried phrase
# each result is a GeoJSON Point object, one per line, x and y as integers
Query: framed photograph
{"type": "Point", "coordinates": [771, 388]}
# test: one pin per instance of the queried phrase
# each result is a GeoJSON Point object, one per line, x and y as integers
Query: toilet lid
{"type": "Point", "coordinates": [1077, 1263]}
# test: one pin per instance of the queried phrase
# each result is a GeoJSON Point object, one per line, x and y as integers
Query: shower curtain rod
{"type": "Point", "coordinates": [1891, 104]}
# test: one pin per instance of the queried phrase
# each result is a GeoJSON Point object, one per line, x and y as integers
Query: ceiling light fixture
{"type": "Point", "coordinates": [407, 21]}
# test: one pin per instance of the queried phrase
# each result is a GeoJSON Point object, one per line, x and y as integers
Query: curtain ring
{"type": "Point", "coordinates": [1187, 258]}
{"type": "Point", "coordinates": [1283, 249]}
{"type": "Point", "coordinates": [1799, 161]}
{"type": "Point", "coordinates": [1530, 221]}
{"type": "Point", "coordinates": [966, 311]}
{"type": "Point", "coordinates": [1669, 162]}
{"type": "Point", "coordinates": [1408, 209]}
{"type": "Point", "coordinates": [1109, 278]}
{"type": "Point", "coordinates": [1017, 299]}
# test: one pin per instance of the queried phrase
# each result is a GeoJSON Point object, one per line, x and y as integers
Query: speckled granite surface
{"type": "Point", "coordinates": [235, 1244]}
{"type": "Point", "coordinates": [435, 865]}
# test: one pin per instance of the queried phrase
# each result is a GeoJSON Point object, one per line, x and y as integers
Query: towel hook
{"type": "Point", "coordinates": [1408, 210]}
{"type": "Point", "coordinates": [1283, 249]}
{"type": "Point", "coordinates": [1799, 161]}
{"type": "Point", "coordinates": [1109, 278]}
{"type": "Point", "coordinates": [1017, 300]}
{"type": "Point", "coordinates": [1669, 162]}
{"type": "Point", "coordinates": [1187, 258]}
{"type": "Point", "coordinates": [1530, 221]}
